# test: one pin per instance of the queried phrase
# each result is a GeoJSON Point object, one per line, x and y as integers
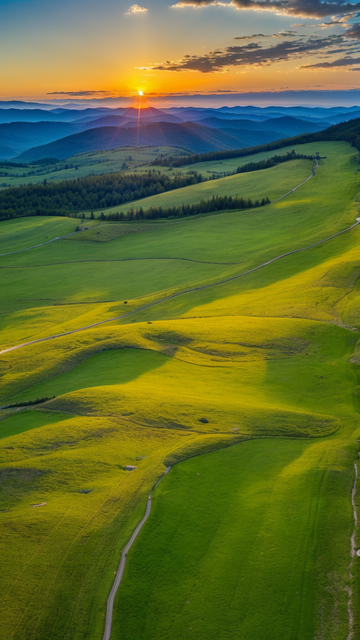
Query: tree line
{"type": "Point", "coordinates": [92, 193]}
{"type": "Point", "coordinates": [228, 154]}
{"type": "Point", "coordinates": [271, 162]}
{"type": "Point", "coordinates": [216, 203]}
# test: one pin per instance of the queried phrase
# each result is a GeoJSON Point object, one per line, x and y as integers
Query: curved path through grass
{"type": "Point", "coordinates": [120, 571]}
{"type": "Point", "coordinates": [180, 293]}
{"type": "Point", "coordinates": [36, 246]}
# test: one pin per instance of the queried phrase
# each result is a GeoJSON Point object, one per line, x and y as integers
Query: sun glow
{"type": "Point", "coordinates": [141, 93]}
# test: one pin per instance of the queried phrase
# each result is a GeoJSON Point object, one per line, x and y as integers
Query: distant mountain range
{"type": "Point", "coordinates": [31, 131]}
{"type": "Point", "coordinates": [188, 136]}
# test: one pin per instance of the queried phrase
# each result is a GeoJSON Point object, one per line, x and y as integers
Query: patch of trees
{"type": "Point", "coordinates": [44, 161]}
{"type": "Point", "coordinates": [180, 161]}
{"type": "Point", "coordinates": [271, 162]}
{"type": "Point", "coordinates": [93, 192]}
{"type": "Point", "coordinates": [345, 131]}
{"type": "Point", "coordinates": [216, 203]}
{"type": "Point", "coordinates": [12, 164]}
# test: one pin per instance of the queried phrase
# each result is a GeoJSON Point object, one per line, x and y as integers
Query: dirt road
{"type": "Point", "coordinates": [120, 571]}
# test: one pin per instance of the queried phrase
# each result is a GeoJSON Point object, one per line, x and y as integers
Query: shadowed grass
{"type": "Point", "coordinates": [268, 521]}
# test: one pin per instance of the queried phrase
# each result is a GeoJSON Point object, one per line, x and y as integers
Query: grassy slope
{"type": "Point", "coordinates": [227, 166]}
{"type": "Point", "coordinates": [224, 556]}
{"type": "Point", "coordinates": [85, 164]}
{"type": "Point", "coordinates": [248, 392]}
{"type": "Point", "coordinates": [246, 375]}
{"type": "Point", "coordinates": [272, 182]}
{"type": "Point", "coordinates": [86, 273]}
{"type": "Point", "coordinates": [27, 232]}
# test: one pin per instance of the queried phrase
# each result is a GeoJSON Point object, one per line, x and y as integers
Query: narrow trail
{"type": "Point", "coordinates": [120, 571]}
{"type": "Point", "coordinates": [352, 555]}
{"type": "Point", "coordinates": [179, 293]}
{"type": "Point", "coordinates": [54, 264]}
{"type": "Point", "coordinates": [36, 246]}
{"type": "Point", "coordinates": [299, 185]}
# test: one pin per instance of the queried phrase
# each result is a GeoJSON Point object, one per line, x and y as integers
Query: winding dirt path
{"type": "Point", "coordinates": [352, 555]}
{"type": "Point", "coordinates": [120, 571]}
{"type": "Point", "coordinates": [179, 293]}
{"type": "Point", "coordinates": [299, 185]}
{"type": "Point", "coordinates": [36, 246]}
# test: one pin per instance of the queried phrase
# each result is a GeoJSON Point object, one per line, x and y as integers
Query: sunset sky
{"type": "Point", "coordinates": [88, 48]}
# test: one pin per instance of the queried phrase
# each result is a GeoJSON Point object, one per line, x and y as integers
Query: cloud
{"type": "Point", "coordinates": [78, 94]}
{"type": "Point", "coordinates": [198, 4]}
{"type": "Point", "coordinates": [282, 34]}
{"type": "Point", "coordinates": [342, 62]}
{"type": "Point", "coordinates": [301, 8]}
{"type": "Point", "coordinates": [256, 35]}
{"type": "Point", "coordinates": [135, 8]}
{"type": "Point", "coordinates": [353, 31]}
{"type": "Point", "coordinates": [253, 54]}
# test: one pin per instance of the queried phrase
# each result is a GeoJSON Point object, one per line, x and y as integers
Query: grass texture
{"type": "Point", "coordinates": [249, 541]}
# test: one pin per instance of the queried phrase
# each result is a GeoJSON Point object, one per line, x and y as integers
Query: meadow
{"type": "Point", "coordinates": [84, 164]}
{"type": "Point", "coordinates": [272, 183]}
{"type": "Point", "coordinates": [257, 545]}
{"type": "Point", "coordinates": [232, 548]}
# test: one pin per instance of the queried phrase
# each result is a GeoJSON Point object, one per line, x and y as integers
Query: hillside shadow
{"type": "Point", "coordinates": [107, 368]}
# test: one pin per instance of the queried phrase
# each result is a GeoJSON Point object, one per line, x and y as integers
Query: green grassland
{"type": "Point", "coordinates": [257, 546]}
{"type": "Point", "coordinates": [27, 232]}
{"type": "Point", "coordinates": [272, 182]}
{"type": "Point", "coordinates": [224, 556]}
{"type": "Point", "coordinates": [93, 279]}
{"type": "Point", "coordinates": [85, 164]}
{"type": "Point", "coordinates": [219, 167]}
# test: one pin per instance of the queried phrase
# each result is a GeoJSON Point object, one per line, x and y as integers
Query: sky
{"type": "Point", "coordinates": [85, 49]}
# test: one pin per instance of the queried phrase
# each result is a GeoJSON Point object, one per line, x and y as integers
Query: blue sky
{"type": "Point", "coordinates": [198, 46]}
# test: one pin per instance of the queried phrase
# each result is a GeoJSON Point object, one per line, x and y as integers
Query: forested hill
{"type": "Point", "coordinates": [92, 192]}
{"type": "Point", "coordinates": [347, 131]}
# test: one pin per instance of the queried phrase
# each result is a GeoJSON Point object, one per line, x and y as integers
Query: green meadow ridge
{"type": "Point", "coordinates": [110, 190]}
{"type": "Point", "coordinates": [249, 390]}
{"type": "Point", "coordinates": [96, 192]}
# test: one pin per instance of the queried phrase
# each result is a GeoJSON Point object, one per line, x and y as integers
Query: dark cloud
{"type": "Point", "coordinates": [353, 31]}
{"type": "Point", "coordinates": [255, 35]}
{"type": "Point", "coordinates": [302, 8]}
{"type": "Point", "coordinates": [282, 34]}
{"type": "Point", "coordinates": [254, 54]}
{"type": "Point", "coordinates": [77, 93]}
{"type": "Point", "coordinates": [308, 8]}
{"type": "Point", "coordinates": [324, 25]}
{"type": "Point", "coordinates": [342, 62]}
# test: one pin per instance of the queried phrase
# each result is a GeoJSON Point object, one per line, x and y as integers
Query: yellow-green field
{"type": "Point", "coordinates": [250, 541]}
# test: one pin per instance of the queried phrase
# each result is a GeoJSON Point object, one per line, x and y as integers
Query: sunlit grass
{"type": "Point", "coordinates": [264, 530]}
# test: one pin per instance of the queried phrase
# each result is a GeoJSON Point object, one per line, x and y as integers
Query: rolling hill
{"type": "Point", "coordinates": [188, 136]}
{"type": "Point", "coordinates": [247, 387]}
{"type": "Point", "coordinates": [20, 136]}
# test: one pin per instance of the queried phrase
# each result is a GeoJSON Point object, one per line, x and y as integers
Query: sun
{"type": "Point", "coordinates": [141, 93]}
